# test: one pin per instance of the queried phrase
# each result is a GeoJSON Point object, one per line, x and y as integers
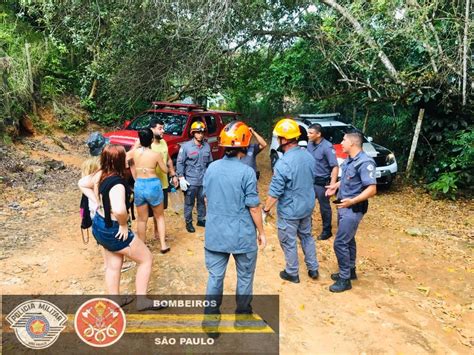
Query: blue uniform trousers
{"type": "Point", "coordinates": [288, 230]}
{"type": "Point", "coordinates": [344, 243]}
{"type": "Point", "coordinates": [216, 264]}
{"type": "Point", "coordinates": [324, 207]}
{"type": "Point", "coordinates": [190, 195]}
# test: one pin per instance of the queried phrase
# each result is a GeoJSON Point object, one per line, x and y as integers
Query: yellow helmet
{"type": "Point", "coordinates": [287, 128]}
{"type": "Point", "coordinates": [198, 126]}
{"type": "Point", "coordinates": [235, 134]}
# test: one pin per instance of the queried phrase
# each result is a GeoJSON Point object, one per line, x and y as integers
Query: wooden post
{"type": "Point", "coordinates": [414, 142]}
{"type": "Point", "coordinates": [30, 78]}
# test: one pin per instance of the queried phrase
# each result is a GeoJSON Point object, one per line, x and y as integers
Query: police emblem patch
{"type": "Point", "coordinates": [100, 322]}
{"type": "Point", "coordinates": [370, 167]}
{"type": "Point", "coordinates": [37, 323]}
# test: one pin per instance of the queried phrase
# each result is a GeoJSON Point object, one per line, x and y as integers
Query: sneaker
{"type": "Point", "coordinates": [285, 276]}
{"type": "Point", "coordinates": [324, 236]}
{"type": "Point", "coordinates": [314, 274]}
{"type": "Point", "coordinates": [201, 223]}
{"type": "Point", "coordinates": [190, 227]}
{"type": "Point", "coordinates": [340, 285]}
{"type": "Point", "coordinates": [335, 276]}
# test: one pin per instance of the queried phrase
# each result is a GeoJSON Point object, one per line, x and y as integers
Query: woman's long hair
{"type": "Point", "coordinates": [112, 161]}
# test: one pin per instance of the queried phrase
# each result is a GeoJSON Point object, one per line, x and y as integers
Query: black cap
{"type": "Point", "coordinates": [96, 142]}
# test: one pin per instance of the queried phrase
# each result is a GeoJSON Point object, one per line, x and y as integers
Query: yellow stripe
{"type": "Point", "coordinates": [266, 329]}
{"type": "Point", "coordinates": [189, 317]}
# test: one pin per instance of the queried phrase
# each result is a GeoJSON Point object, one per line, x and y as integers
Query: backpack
{"type": "Point", "coordinates": [86, 221]}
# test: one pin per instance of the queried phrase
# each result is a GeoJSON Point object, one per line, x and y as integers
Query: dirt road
{"type": "Point", "coordinates": [415, 262]}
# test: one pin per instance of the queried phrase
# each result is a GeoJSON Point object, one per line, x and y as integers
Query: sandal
{"type": "Point", "coordinates": [127, 266]}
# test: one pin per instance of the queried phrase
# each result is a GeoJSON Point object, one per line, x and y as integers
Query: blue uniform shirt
{"type": "Point", "coordinates": [192, 161]}
{"type": "Point", "coordinates": [251, 158]}
{"type": "Point", "coordinates": [357, 173]}
{"type": "Point", "coordinates": [292, 184]}
{"type": "Point", "coordinates": [230, 188]}
{"type": "Point", "coordinates": [325, 157]}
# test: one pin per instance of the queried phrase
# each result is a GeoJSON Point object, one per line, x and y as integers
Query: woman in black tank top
{"type": "Point", "coordinates": [110, 225]}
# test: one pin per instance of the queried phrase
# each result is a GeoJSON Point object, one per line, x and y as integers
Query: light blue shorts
{"type": "Point", "coordinates": [148, 191]}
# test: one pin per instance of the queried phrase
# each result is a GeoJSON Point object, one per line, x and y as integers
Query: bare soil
{"type": "Point", "coordinates": [415, 261]}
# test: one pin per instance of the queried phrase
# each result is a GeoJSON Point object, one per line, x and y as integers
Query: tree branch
{"type": "Point", "coordinates": [367, 38]}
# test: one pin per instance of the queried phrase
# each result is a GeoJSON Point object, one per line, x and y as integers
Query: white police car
{"type": "Point", "coordinates": [333, 131]}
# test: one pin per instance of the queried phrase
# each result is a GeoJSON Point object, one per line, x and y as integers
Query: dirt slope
{"type": "Point", "coordinates": [415, 262]}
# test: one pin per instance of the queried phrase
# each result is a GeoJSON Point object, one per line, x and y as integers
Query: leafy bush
{"type": "Point", "coordinates": [446, 184]}
{"type": "Point", "coordinates": [455, 168]}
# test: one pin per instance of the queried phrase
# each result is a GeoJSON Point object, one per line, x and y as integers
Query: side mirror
{"type": "Point", "coordinates": [370, 139]}
{"type": "Point", "coordinates": [126, 124]}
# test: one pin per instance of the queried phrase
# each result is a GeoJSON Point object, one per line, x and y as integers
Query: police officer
{"type": "Point", "coordinates": [357, 185]}
{"type": "Point", "coordinates": [253, 149]}
{"type": "Point", "coordinates": [193, 159]}
{"type": "Point", "coordinates": [326, 169]}
{"type": "Point", "coordinates": [292, 187]}
{"type": "Point", "coordinates": [233, 214]}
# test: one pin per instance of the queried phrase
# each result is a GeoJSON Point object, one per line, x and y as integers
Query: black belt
{"type": "Point", "coordinates": [322, 181]}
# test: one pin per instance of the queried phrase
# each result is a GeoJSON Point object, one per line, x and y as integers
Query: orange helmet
{"type": "Point", "coordinates": [198, 126]}
{"type": "Point", "coordinates": [235, 134]}
{"type": "Point", "coordinates": [287, 128]}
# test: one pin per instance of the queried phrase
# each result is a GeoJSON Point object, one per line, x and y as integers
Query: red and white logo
{"type": "Point", "coordinates": [100, 322]}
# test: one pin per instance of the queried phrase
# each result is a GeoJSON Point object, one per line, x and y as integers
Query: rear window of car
{"type": "Point", "coordinates": [174, 123]}
{"type": "Point", "coordinates": [211, 124]}
{"type": "Point", "coordinates": [335, 134]}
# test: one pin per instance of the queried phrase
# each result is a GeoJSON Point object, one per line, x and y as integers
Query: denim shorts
{"type": "Point", "coordinates": [106, 236]}
{"type": "Point", "coordinates": [148, 191]}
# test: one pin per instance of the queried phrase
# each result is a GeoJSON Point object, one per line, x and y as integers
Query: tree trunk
{"type": "Point", "coordinates": [30, 79]}
{"type": "Point", "coordinates": [414, 143]}
{"type": "Point", "coordinates": [464, 55]}
{"type": "Point", "coordinates": [368, 39]}
{"type": "Point", "coordinates": [93, 89]}
{"type": "Point", "coordinates": [366, 121]}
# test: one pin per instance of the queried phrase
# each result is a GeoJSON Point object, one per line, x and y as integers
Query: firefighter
{"type": "Point", "coordinates": [193, 159]}
{"type": "Point", "coordinates": [292, 187]}
{"type": "Point", "coordinates": [233, 216]}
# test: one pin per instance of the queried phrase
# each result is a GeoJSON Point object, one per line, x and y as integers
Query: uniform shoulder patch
{"type": "Point", "coordinates": [370, 167]}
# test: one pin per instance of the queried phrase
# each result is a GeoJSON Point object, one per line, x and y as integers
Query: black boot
{"type": "Point", "coordinates": [190, 227]}
{"type": "Point", "coordinates": [324, 236]}
{"type": "Point", "coordinates": [201, 223]}
{"type": "Point", "coordinates": [335, 276]}
{"type": "Point", "coordinates": [286, 276]}
{"type": "Point", "coordinates": [314, 274]}
{"type": "Point", "coordinates": [340, 285]}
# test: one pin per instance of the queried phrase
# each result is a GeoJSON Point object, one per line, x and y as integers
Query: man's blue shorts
{"type": "Point", "coordinates": [148, 191]}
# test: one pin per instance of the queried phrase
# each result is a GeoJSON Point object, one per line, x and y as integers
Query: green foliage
{"type": "Point", "coordinates": [445, 184]}
{"type": "Point", "coordinates": [70, 118]}
{"type": "Point", "coordinates": [454, 168]}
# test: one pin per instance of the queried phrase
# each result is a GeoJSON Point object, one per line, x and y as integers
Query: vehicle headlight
{"type": "Point", "coordinates": [390, 159]}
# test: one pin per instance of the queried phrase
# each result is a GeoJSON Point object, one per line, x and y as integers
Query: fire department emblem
{"type": "Point", "coordinates": [37, 323]}
{"type": "Point", "coordinates": [100, 322]}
